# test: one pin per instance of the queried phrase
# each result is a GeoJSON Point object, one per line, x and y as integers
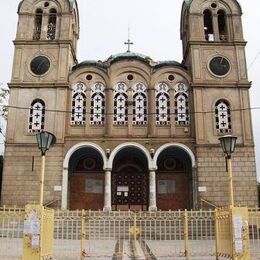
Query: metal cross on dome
{"type": "Point", "coordinates": [129, 43]}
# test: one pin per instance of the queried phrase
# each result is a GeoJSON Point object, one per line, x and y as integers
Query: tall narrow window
{"type": "Point", "coordinates": [37, 116]}
{"type": "Point", "coordinates": [52, 25]}
{"type": "Point", "coordinates": [37, 24]}
{"type": "Point", "coordinates": [97, 114]}
{"type": "Point", "coordinates": [222, 27]}
{"type": "Point", "coordinates": [139, 104]}
{"type": "Point", "coordinates": [78, 106]}
{"type": "Point", "coordinates": [223, 117]}
{"type": "Point", "coordinates": [120, 104]}
{"type": "Point", "coordinates": [162, 104]}
{"type": "Point", "coordinates": [208, 25]}
{"type": "Point", "coordinates": [181, 103]}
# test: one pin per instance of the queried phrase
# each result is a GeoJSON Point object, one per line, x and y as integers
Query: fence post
{"type": "Point", "coordinates": [38, 233]}
{"type": "Point", "coordinates": [186, 235]}
{"type": "Point", "coordinates": [240, 233]}
{"type": "Point", "coordinates": [217, 232]}
{"type": "Point", "coordinates": [83, 235]}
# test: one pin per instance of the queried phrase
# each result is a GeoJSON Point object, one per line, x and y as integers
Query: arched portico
{"type": "Point", "coordinates": [130, 145]}
{"type": "Point", "coordinates": [175, 180]}
{"type": "Point", "coordinates": [66, 164]}
{"type": "Point", "coordinates": [175, 145]}
{"type": "Point", "coordinates": [132, 186]}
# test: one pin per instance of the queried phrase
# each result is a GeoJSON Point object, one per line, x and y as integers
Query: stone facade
{"type": "Point", "coordinates": [131, 133]}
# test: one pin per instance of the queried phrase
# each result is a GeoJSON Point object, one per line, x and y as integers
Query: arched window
{"type": "Point", "coordinates": [181, 103]}
{"type": "Point", "coordinates": [208, 25]}
{"type": "Point", "coordinates": [139, 104]}
{"type": "Point", "coordinates": [97, 113]}
{"type": "Point", "coordinates": [223, 117]}
{"type": "Point", "coordinates": [52, 24]}
{"type": "Point", "coordinates": [222, 27]}
{"type": "Point", "coordinates": [162, 104]}
{"type": "Point", "coordinates": [37, 24]}
{"type": "Point", "coordinates": [78, 106]}
{"type": "Point", "coordinates": [37, 116]}
{"type": "Point", "coordinates": [120, 104]}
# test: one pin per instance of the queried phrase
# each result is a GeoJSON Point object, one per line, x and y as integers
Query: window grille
{"type": "Point", "coordinates": [97, 108]}
{"type": "Point", "coordinates": [223, 117]}
{"type": "Point", "coordinates": [139, 104]}
{"type": "Point", "coordinates": [120, 104]}
{"type": "Point", "coordinates": [37, 116]}
{"type": "Point", "coordinates": [162, 104]}
{"type": "Point", "coordinates": [181, 103]}
{"type": "Point", "coordinates": [78, 113]}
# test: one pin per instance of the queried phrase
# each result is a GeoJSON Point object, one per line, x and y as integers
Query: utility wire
{"type": "Point", "coordinates": [171, 113]}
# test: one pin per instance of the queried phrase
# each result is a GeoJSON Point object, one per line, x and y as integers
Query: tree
{"type": "Point", "coordinates": [4, 95]}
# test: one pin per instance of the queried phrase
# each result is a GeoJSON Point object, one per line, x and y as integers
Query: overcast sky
{"type": "Point", "coordinates": [154, 27]}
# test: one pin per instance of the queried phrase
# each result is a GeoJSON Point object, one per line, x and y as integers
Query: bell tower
{"type": "Point", "coordinates": [45, 52]}
{"type": "Point", "coordinates": [214, 53]}
{"type": "Point", "coordinates": [46, 41]}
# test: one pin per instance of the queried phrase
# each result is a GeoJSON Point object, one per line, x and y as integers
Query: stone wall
{"type": "Point", "coordinates": [21, 181]}
{"type": "Point", "coordinates": [212, 175]}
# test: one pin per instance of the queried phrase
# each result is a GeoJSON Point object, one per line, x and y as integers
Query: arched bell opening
{"type": "Point", "coordinates": [174, 180]}
{"type": "Point", "coordinates": [86, 180]}
{"type": "Point", "coordinates": [130, 179]}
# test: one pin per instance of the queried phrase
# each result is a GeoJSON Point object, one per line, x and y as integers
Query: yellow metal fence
{"type": "Point", "coordinates": [254, 232]}
{"type": "Point", "coordinates": [107, 235]}
{"type": "Point", "coordinates": [11, 232]}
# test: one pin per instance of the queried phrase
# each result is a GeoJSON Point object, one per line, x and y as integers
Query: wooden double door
{"type": "Point", "coordinates": [130, 188]}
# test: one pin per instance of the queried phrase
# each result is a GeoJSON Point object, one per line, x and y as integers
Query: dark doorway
{"type": "Point", "coordinates": [86, 180]}
{"type": "Point", "coordinates": [130, 181]}
{"type": "Point", "coordinates": [174, 180]}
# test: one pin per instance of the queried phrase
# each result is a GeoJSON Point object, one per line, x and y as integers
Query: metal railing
{"type": "Point", "coordinates": [11, 232]}
{"type": "Point", "coordinates": [254, 233]}
{"type": "Point", "coordinates": [155, 235]}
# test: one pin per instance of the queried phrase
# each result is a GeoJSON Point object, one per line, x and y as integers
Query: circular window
{"type": "Point", "coordinates": [219, 66]}
{"type": "Point", "coordinates": [171, 77]}
{"type": "Point", "coordinates": [169, 164]}
{"type": "Point", "coordinates": [89, 164]}
{"type": "Point", "coordinates": [40, 65]}
{"type": "Point", "coordinates": [130, 77]}
{"type": "Point", "coordinates": [89, 77]}
{"type": "Point", "coordinates": [214, 5]}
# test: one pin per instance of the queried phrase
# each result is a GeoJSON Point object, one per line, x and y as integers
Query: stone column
{"type": "Point", "coordinates": [107, 197]}
{"type": "Point", "coordinates": [195, 188]}
{"type": "Point", "coordinates": [64, 195]}
{"type": "Point", "coordinates": [109, 112]}
{"type": "Point", "coordinates": [152, 191]}
{"type": "Point", "coordinates": [151, 112]}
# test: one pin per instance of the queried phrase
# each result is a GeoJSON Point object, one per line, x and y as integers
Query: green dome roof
{"type": "Point", "coordinates": [91, 63]}
{"type": "Point", "coordinates": [171, 63]}
{"type": "Point", "coordinates": [103, 65]}
{"type": "Point", "coordinates": [128, 55]}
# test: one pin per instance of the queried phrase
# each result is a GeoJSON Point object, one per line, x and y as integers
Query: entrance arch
{"type": "Point", "coordinates": [130, 179]}
{"type": "Point", "coordinates": [83, 177]}
{"type": "Point", "coordinates": [174, 183]}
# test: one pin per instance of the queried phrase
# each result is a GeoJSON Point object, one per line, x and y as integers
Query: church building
{"type": "Point", "coordinates": [131, 133]}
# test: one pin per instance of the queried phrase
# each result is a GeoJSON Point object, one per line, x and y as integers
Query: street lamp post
{"type": "Point", "coordinates": [44, 140]}
{"type": "Point", "coordinates": [228, 144]}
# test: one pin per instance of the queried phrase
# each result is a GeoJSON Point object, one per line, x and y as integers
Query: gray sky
{"type": "Point", "coordinates": [154, 30]}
